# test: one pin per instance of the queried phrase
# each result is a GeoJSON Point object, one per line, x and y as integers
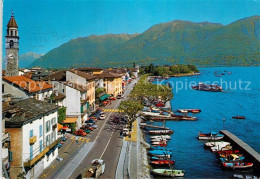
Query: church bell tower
{"type": "Point", "coordinates": [12, 48]}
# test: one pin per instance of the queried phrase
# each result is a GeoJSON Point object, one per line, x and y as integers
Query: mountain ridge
{"type": "Point", "coordinates": [178, 41]}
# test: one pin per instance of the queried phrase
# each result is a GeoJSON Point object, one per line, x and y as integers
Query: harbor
{"type": "Point", "coordinates": [217, 110]}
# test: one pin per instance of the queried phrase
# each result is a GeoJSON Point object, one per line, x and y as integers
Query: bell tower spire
{"type": "Point", "coordinates": [12, 47]}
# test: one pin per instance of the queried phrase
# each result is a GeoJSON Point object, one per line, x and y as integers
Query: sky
{"type": "Point", "coordinates": [47, 24]}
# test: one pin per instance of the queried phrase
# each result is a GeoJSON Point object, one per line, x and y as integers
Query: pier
{"type": "Point", "coordinates": [251, 154]}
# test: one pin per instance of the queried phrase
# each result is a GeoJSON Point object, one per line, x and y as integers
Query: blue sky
{"type": "Point", "coordinates": [46, 24]}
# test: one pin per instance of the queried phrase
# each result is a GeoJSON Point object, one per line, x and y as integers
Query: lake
{"type": "Point", "coordinates": [241, 96]}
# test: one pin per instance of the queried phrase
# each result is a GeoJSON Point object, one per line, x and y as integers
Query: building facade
{"type": "Point", "coordinates": [32, 125]}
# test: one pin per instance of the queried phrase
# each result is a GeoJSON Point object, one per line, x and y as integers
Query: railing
{"type": "Point", "coordinates": [33, 139]}
{"type": "Point", "coordinates": [29, 163]}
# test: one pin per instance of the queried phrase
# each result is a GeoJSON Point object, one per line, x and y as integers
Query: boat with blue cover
{"type": "Point", "coordinates": [160, 153]}
{"type": "Point", "coordinates": [160, 158]}
{"type": "Point", "coordinates": [210, 136]}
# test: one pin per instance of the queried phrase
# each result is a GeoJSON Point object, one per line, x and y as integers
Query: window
{"type": "Point", "coordinates": [53, 120]}
{"type": "Point", "coordinates": [31, 152]}
{"type": "Point", "coordinates": [48, 140]}
{"type": "Point", "coordinates": [41, 146]}
{"type": "Point", "coordinates": [52, 136]}
{"type": "Point", "coordinates": [40, 130]}
{"type": "Point", "coordinates": [48, 126]}
{"type": "Point", "coordinates": [31, 133]}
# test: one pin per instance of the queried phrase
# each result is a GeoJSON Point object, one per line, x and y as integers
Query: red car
{"type": "Point", "coordinates": [112, 98]}
{"type": "Point", "coordinates": [80, 132]}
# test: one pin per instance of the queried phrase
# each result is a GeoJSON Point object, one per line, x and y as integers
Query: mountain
{"type": "Point", "coordinates": [202, 44]}
{"type": "Point", "coordinates": [25, 60]}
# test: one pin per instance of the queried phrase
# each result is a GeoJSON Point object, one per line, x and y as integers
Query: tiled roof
{"type": "Point", "coordinates": [25, 111]}
{"type": "Point", "coordinates": [108, 74]}
{"type": "Point", "coordinates": [57, 76]}
{"type": "Point", "coordinates": [59, 96]}
{"type": "Point", "coordinates": [12, 22]}
{"type": "Point", "coordinates": [88, 68]}
{"type": "Point", "coordinates": [83, 74]}
{"type": "Point", "coordinates": [27, 84]}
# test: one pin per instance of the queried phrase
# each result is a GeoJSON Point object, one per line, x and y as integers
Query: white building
{"type": "Point", "coordinates": [32, 126]}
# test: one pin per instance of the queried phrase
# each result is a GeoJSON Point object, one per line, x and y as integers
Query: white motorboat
{"type": "Point", "coordinates": [161, 136]}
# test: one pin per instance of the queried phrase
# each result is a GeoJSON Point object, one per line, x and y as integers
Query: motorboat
{"type": "Point", "coordinates": [210, 136]}
{"type": "Point", "coordinates": [219, 143]}
{"type": "Point", "coordinates": [167, 137]}
{"type": "Point", "coordinates": [237, 165]}
{"type": "Point", "coordinates": [162, 163]}
{"type": "Point", "coordinates": [156, 132]}
{"type": "Point", "coordinates": [168, 172]}
{"type": "Point", "coordinates": [238, 117]}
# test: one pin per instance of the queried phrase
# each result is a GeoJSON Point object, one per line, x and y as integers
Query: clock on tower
{"type": "Point", "coordinates": [12, 48]}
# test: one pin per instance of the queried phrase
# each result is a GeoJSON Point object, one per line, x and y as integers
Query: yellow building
{"type": "Point", "coordinates": [112, 82]}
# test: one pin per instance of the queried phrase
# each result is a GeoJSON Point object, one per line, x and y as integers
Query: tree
{"type": "Point", "coordinates": [61, 114]}
{"type": "Point", "coordinates": [131, 108]}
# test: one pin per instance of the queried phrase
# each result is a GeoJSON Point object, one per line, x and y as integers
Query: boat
{"type": "Point", "coordinates": [237, 165]}
{"type": "Point", "coordinates": [232, 158]}
{"type": "Point", "coordinates": [210, 136]}
{"type": "Point", "coordinates": [157, 139]}
{"type": "Point", "coordinates": [166, 110]}
{"type": "Point", "coordinates": [156, 132]}
{"type": "Point", "coordinates": [160, 152]}
{"type": "Point", "coordinates": [167, 137]}
{"type": "Point", "coordinates": [182, 110]}
{"type": "Point", "coordinates": [205, 87]}
{"type": "Point", "coordinates": [156, 148]}
{"type": "Point", "coordinates": [220, 148]}
{"type": "Point", "coordinates": [226, 152]}
{"type": "Point", "coordinates": [160, 158]}
{"type": "Point", "coordinates": [238, 117]}
{"type": "Point", "coordinates": [213, 144]}
{"type": "Point", "coordinates": [195, 111]}
{"type": "Point", "coordinates": [159, 142]}
{"type": "Point", "coordinates": [189, 110]}
{"type": "Point", "coordinates": [168, 172]}
{"type": "Point", "coordinates": [162, 163]}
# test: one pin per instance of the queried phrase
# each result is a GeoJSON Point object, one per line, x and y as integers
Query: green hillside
{"type": "Point", "coordinates": [202, 44]}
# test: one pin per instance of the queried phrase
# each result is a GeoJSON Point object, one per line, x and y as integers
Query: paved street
{"type": "Point", "coordinates": [104, 142]}
{"type": "Point", "coordinates": [107, 145]}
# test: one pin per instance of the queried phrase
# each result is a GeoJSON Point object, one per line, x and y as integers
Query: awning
{"type": "Point", "coordinates": [69, 120]}
{"type": "Point", "coordinates": [59, 127]}
{"type": "Point", "coordinates": [105, 96]}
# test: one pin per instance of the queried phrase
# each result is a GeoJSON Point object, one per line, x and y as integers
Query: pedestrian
{"type": "Point", "coordinates": [77, 139]}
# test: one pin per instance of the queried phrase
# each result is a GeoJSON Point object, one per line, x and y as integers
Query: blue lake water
{"type": "Point", "coordinates": [188, 152]}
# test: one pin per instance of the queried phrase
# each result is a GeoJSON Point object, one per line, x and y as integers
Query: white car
{"type": "Point", "coordinates": [102, 116]}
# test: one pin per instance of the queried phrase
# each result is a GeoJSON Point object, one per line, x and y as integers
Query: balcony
{"type": "Point", "coordinates": [38, 157]}
{"type": "Point", "coordinates": [33, 139]}
{"type": "Point", "coordinates": [5, 137]}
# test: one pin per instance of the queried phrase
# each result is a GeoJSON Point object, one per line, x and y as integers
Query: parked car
{"type": "Point", "coordinates": [112, 98]}
{"type": "Point", "coordinates": [102, 116]}
{"type": "Point", "coordinates": [90, 121]}
{"type": "Point", "coordinates": [80, 132]}
{"type": "Point", "coordinates": [119, 96]}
